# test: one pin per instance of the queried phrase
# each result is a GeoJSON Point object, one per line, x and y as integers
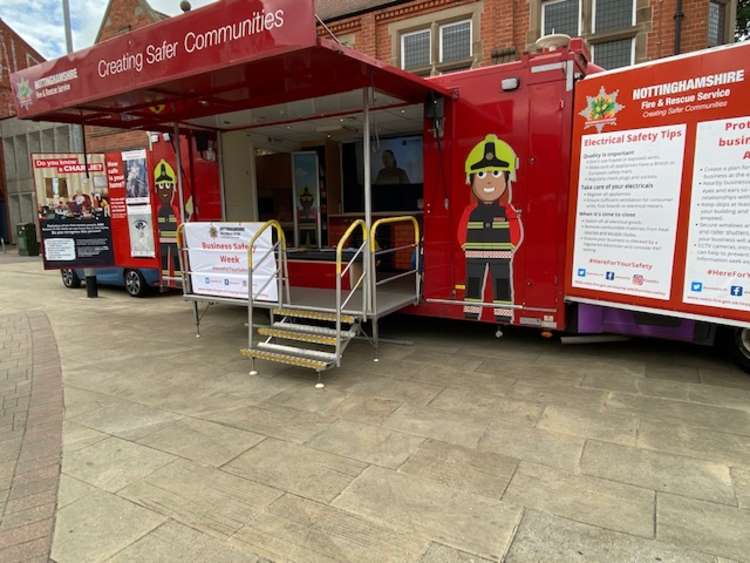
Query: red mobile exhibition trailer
{"type": "Point", "coordinates": [488, 198]}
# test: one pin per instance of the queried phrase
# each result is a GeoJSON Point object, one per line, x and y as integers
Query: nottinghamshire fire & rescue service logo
{"type": "Point", "coordinates": [24, 93]}
{"type": "Point", "coordinates": [601, 109]}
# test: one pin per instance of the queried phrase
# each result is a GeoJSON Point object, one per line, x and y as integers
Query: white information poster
{"type": "Point", "coordinates": [140, 227]}
{"type": "Point", "coordinates": [60, 249]}
{"type": "Point", "coordinates": [717, 269]}
{"type": "Point", "coordinates": [628, 199]}
{"type": "Point", "coordinates": [218, 260]}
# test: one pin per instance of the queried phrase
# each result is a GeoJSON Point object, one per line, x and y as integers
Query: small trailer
{"type": "Point", "coordinates": [541, 192]}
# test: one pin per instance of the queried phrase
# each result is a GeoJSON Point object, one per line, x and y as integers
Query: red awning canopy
{"type": "Point", "coordinates": [228, 56]}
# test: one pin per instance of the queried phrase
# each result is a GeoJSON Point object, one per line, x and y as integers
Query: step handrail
{"type": "Point", "coordinates": [363, 278]}
{"type": "Point", "coordinates": [282, 272]}
{"type": "Point", "coordinates": [374, 253]}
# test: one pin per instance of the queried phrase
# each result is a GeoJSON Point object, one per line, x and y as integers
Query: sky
{"type": "Point", "coordinates": [40, 22]}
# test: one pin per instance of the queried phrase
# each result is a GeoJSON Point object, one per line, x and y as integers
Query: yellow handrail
{"type": "Point", "coordinates": [279, 232]}
{"type": "Point", "coordinates": [180, 235]}
{"type": "Point", "coordinates": [386, 220]}
{"type": "Point", "coordinates": [345, 237]}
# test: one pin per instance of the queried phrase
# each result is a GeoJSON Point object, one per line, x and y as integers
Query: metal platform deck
{"type": "Point", "coordinates": [391, 297]}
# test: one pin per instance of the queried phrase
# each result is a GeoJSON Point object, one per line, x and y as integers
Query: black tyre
{"type": "Point", "coordinates": [70, 279]}
{"type": "Point", "coordinates": [740, 347]}
{"type": "Point", "coordinates": [135, 283]}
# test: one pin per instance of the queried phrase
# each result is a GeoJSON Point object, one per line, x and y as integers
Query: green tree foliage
{"type": "Point", "coordinates": [743, 20]}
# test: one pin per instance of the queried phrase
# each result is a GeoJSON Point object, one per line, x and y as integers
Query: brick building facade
{"type": "Point", "coordinates": [121, 16]}
{"type": "Point", "coordinates": [414, 34]}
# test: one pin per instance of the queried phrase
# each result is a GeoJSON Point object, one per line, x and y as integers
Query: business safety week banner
{"type": "Point", "coordinates": [217, 254]}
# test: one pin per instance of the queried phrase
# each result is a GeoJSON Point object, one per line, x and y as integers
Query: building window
{"type": "Point", "coordinates": [614, 54]}
{"type": "Point", "coordinates": [561, 16]}
{"type": "Point", "coordinates": [416, 49]}
{"type": "Point", "coordinates": [612, 15]}
{"type": "Point", "coordinates": [717, 12]}
{"type": "Point", "coordinates": [455, 41]}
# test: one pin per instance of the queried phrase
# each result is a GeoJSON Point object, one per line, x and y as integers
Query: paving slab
{"type": "Point", "coordinates": [306, 472]}
{"type": "Point", "coordinates": [98, 526]}
{"type": "Point", "coordinates": [456, 428]}
{"type": "Point", "coordinates": [202, 441]}
{"type": "Point", "coordinates": [607, 504]}
{"type": "Point", "coordinates": [675, 372]}
{"type": "Point", "coordinates": [713, 528]}
{"type": "Point", "coordinates": [113, 463]}
{"type": "Point", "coordinates": [295, 528]}
{"type": "Point", "coordinates": [720, 396]}
{"type": "Point", "coordinates": [77, 436]}
{"type": "Point", "coordinates": [533, 444]}
{"type": "Point", "coordinates": [468, 362]}
{"type": "Point", "coordinates": [174, 542]}
{"type": "Point", "coordinates": [369, 444]}
{"type": "Point", "coordinates": [72, 489]}
{"type": "Point", "coordinates": [469, 522]}
{"type": "Point", "coordinates": [474, 401]}
{"type": "Point", "coordinates": [367, 410]}
{"type": "Point", "coordinates": [274, 420]}
{"type": "Point", "coordinates": [411, 392]}
{"type": "Point", "coordinates": [559, 394]}
{"type": "Point", "coordinates": [125, 419]}
{"type": "Point", "coordinates": [741, 478]}
{"type": "Point", "coordinates": [439, 553]}
{"type": "Point", "coordinates": [659, 471]}
{"type": "Point", "coordinates": [603, 424]}
{"type": "Point", "coordinates": [702, 443]}
{"type": "Point", "coordinates": [694, 414]}
{"type": "Point", "coordinates": [544, 538]}
{"type": "Point", "coordinates": [464, 469]}
{"type": "Point", "coordinates": [611, 380]}
{"type": "Point", "coordinates": [201, 497]}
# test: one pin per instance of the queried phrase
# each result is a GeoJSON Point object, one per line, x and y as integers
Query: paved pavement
{"type": "Point", "coordinates": [31, 414]}
{"type": "Point", "coordinates": [458, 448]}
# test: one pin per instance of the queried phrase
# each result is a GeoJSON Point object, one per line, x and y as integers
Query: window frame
{"type": "Point", "coordinates": [545, 3]}
{"type": "Point", "coordinates": [593, 16]}
{"type": "Point", "coordinates": [444, 24]}
{"type": "Point", "coordinates": [632, 50]}
{"type": "Point", "coordinates": [406, 34]}
{"type": "Point", "coordinates": [724, 37]}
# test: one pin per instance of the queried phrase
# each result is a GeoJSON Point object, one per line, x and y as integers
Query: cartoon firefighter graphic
{"type": "Point", "coordinates": [164, 182]}
{"type": "Point", "coordinates": [490, 230]}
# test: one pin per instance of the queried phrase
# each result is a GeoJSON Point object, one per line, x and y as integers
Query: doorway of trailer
{"type": "Point", "coordinates": [314, 167]}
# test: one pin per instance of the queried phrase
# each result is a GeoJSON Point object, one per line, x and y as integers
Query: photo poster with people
{"type": "Point", "coordinates": [140, 226]}
{"type": "Point", "coordinates": [306, 180]}
{"type": "Point", "coordinates": [73, 200]}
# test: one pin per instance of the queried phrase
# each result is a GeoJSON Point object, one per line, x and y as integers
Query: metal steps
{"type": "Point", "coordinates": [308, 314]}
{"type": "Point", "coordinates": [311, 336]}
{"type": "Point", "coordinates": [317, 365]}
{"type": "Point", "coordinates": [297, 335]}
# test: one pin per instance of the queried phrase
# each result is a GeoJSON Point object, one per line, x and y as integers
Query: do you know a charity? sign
{"type": "Point", "coordinates": [217, 255]}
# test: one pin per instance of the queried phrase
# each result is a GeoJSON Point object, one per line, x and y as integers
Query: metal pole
{"type": "Point", "coordinates": [178, 156]}
{"type": "Point", "coordinates": [66, 23]}
{"type": "Point", "coordinates": [370, 285]}
{"type": "Point", "coordinates": [220, 159]}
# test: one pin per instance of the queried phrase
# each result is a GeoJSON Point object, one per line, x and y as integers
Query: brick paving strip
{"type": "Point", "coordinates": [31, 414]}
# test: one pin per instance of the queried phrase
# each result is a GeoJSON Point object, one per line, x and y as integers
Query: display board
{"type": "Point", "coordinates": [74, 211]}
{"type": "Point", "coordinates": [660, 187]}
{"type": "Point", "coordinates": [217, 256]}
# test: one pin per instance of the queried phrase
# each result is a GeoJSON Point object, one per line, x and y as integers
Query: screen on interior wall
{"type": "Point", "coordinates": [397, 160]}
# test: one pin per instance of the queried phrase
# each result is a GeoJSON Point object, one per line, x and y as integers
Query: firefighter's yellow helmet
{"type": "Point", "coordinates": [489, 155]}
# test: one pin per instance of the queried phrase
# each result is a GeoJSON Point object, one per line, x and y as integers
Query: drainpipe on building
{"type": "Point", "coordinates": [679, 15]}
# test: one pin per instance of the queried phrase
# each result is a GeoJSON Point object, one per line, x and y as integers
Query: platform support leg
{"type": "Point", "coordinates": [253, 371]}
{"type": "Point", "coordinates": [375, 338]}
{"type": "Point", "coordinates": [197, 319]}
{"type": "Point", "coordinates": [319, 384]}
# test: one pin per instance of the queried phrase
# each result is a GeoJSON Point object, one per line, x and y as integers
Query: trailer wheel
{"type": "Point", "coordinates": [70, 279]}
{"type": "Point", "coordinates": [135, 283]}
{"type": "Point", "coordinates": [741, 347]}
